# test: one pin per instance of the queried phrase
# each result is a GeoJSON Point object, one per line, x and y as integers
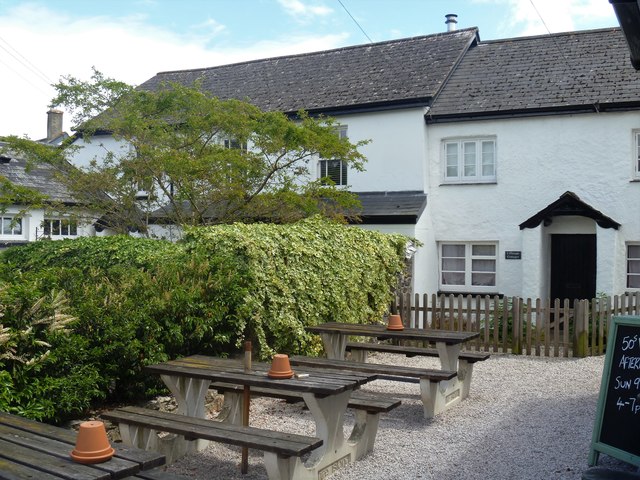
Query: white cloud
{"type": "Point", "coordinates": [534, 17]}
{"type": "Point", "coordinates": [303, 11]}
{"type": "Point", "coordinates": [125, 48]}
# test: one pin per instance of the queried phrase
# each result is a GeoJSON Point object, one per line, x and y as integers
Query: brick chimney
{"type": "Point", "coordinates": [54, 124]}
{"type": "Point", "coordinates": [451, 22]}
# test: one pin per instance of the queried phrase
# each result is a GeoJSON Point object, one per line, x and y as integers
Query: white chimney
{"type": "Point", "coordinates": [54, 124]}
{"type": "Point", "coordinates": [452, 21]}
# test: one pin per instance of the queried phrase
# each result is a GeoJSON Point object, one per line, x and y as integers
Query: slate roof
{"type": "Point", "coordinates": [392, 207]}
{"type": "Point", "coordinates": [40, 177]}
{"type": "Point", "coordinates": [584, 70]}
{"type": "Point", "coordinates": [409, 70]}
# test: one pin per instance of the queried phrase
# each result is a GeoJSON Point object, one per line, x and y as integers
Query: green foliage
{"type": "Point", "coordinates": [303, 274]}
{"type": "Point", "coordinates": [177, 154]}
{"type": "Point", "coordinates": [81, 318]}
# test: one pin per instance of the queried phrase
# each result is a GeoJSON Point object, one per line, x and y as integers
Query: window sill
{"type": "Point", "coordinates": [447, 184]}
{"type": "Point", "coordinates": [473, 294]}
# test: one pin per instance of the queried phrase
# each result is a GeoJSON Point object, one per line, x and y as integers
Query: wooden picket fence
{"type": "Point", "coordinates": [540, 327]}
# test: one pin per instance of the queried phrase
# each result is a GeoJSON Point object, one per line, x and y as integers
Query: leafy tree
{"type": "Point", "coordinates": [200, 160]}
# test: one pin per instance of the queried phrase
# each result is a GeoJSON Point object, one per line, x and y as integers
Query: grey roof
{"type": "Point", "coordinates": [391, 207]}
{"type": "Point", "coordinates": [40, 177]}
{"type": "Point", "coordinates": [567, 71]}
{"type": "Point", "coordinates": [396, 71]}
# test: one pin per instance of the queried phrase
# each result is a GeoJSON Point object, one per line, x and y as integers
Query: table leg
{"type": "Point", "coordinates": [190, 395]}
{"type": "Point", "coordinates": [335, 345]}
{"type": "Point", "coordinates": [448, 355]}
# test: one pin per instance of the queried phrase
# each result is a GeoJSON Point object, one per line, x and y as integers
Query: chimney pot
{"type": "Point", "coordinates": [54, 124]}
{"type": "Point", "coordinates": [451, 22]}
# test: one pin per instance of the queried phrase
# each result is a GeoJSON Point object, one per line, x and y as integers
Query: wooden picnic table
{"type": "Point", "coordinates": [437, 395]}
{"type": "Point", "coordinates": [335, 336]}
{"type": "Point", "coordinates": [326, 393]}
{"type": "Point", "coordinates": [38, 451]}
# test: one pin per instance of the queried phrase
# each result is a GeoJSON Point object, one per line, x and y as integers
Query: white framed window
{"type": "Point", "coordinates": [335, 169]}
{"type": "Point", "coordinates": [468, 266]}
{"type": "Point", "coordinates": [235, 144]}
{"type": "Point", "coordinates": [59, 227]}
{"type": "Point", "coordinates": [11, 226]}
{"type": "Point", "coordinates": [633, 265]}
{"type": "Point", "coordinates": [469, 160]}
{"type": "Point", "coordinates": [636, 154]}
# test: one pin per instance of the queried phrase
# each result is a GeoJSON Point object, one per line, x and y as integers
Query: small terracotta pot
{"type": "Point", "coordinates": [92, 444]}
{"type": "Point", "coordinates": [280, 367]}
{"type": "Point", "coordinates": [395, 323]}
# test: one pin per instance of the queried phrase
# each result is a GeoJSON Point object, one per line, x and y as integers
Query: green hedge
{"type": "Point", "coordinates": [80, 318]}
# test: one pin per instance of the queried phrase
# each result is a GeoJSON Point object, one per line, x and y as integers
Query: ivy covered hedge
{"type": "Point", "coordinates": [303, 274]}
{"type": "Point", "coordinates": [80, 318]}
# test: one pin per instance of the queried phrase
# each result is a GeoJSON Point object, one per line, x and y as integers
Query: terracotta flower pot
{"type": "Point", "coordinates": [280, 367]}
{"type": "Point", "coordinates": [92, 444]}
{"type": "Point", "coordinates": [395, 323]}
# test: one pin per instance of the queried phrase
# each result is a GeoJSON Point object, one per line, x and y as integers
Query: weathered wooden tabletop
{"type": "Point", "coordinates": [320, 382]}
{"type": "Point", "coordinates": [450, 337]}
{"type": "Point", "coordinates": [38, 451]}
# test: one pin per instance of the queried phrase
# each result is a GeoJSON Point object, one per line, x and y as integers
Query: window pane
{"type": "Point", "coordinates": [484, 250]}
{"type": "Point", "coordinates": [483, 279]}
{"type": "Point", "coordinates": [6, 226]}
{"type": "Point", "coordinates": [453, 264]}
{"type": "Point", "coordinates": [343, 178]}
{"type": "Point", "coordinates": [47, 227]}
{"type": "Point", "coordinates": [17, 227]}
{"type": "Point", "coordinates": [633, 251]}
{"type": "Point", "coordinates": [73, 228]}
{"type": "Point", "coordinates": [55, 227]}
{"type": "Point", "coordinates": [633, 281]}
{"type": "Point", "coordinates": [451, 153]}
{"type": "Point", "coordinates": [483, 265]}
{"type": "Point", "coordinates": [334, 171]}
{"type": "Point", "coordinates": [469, 149]}
{"type": "Point", "coordinates": [488, 159]}
{"type": "Point", "coordinates": [633, 266]}
{"type": "Point", "coordinates": [452, 278]}
{"type": "Point", "coordinates": [453, 250]}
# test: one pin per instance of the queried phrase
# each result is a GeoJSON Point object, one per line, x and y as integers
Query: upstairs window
{"type": "Point", "coordinates": [469, 160]}
{"type": "Point", "coordinates": [11, 225]}
{"type": "Point", "coordinates": [335, 169]}
{"type": "Point", "coordinates": [60, 227]}
{"type": "Point", "coordinates": [468, 267]}
{"type": "Point", "coordinates": [633, 265]}
{"type": "Point", "coordinates": [636, 156]}
{"type": "Point", "coordinates": [234, 144]}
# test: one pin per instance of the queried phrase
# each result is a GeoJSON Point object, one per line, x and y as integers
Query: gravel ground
{"type": "Point", "coordinates": [526, 418]}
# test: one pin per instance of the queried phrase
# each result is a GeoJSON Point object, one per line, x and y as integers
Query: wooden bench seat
{"type": "Point", "coordinates": [434, 384]}
{"type": "Point", "coordinates": [139, 427]}
{"type": "Point", "coordinates": [359, 400]}
{"type": "Point", "coordinates": [410, 351]}
{"type": "Point", "coordinates": [368, 408]}
{"type": "Point", "coordinates": [466, 360]}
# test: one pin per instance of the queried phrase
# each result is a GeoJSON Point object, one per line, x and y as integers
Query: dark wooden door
{"type": "Point", "coordinates": [573, 266]}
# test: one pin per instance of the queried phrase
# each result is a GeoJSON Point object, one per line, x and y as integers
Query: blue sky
{"type": "Point", "coordinates": [131, 40]}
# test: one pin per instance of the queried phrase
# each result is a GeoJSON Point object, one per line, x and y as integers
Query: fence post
{"type": "Point", "coordinates": [581, 326]}
{"type": "Point", "coordinates": [516, 346]}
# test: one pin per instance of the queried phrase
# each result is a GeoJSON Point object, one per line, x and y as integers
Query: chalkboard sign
{"type": "Point", "coordinates": [617, 427]}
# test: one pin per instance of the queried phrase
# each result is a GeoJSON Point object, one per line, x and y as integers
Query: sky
{"type": "Point", "coordinates": [43, 41]}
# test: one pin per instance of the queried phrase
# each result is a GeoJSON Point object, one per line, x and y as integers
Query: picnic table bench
{"type": "Point", "coordinates": [359, 352]}
{"type": "Point", "coordinates": [434, 386]}
{"type": "Point", "coordinates": [368, 408]}
{"type": "Point", "coordinates": [136, 422]}
{"type": "Point", "coordinates": [325, 393]}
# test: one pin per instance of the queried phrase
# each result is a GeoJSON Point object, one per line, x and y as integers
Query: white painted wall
{"type": "Point", "coordinates": [396, 154]}
{"type": "Point", "coordinates": [538, 159]}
